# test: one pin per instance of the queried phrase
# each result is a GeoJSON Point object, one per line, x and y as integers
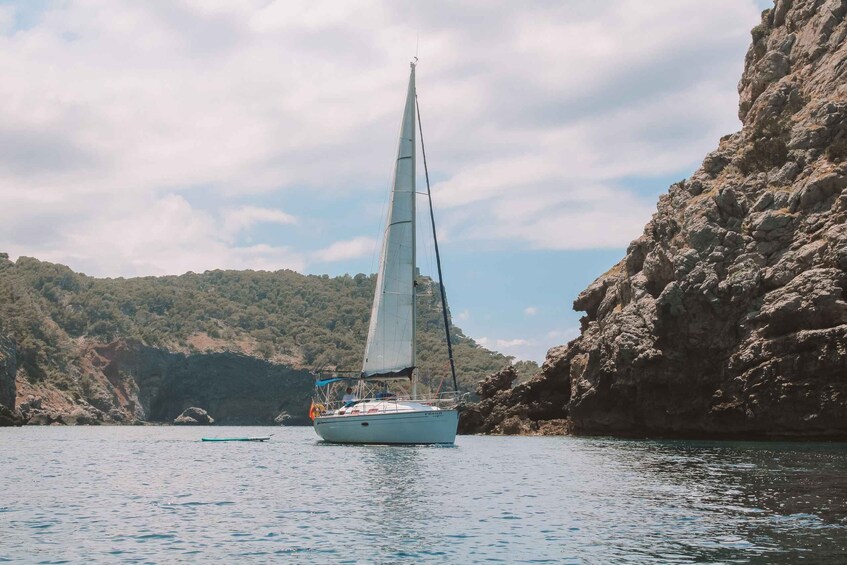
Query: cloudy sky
{"type": "Point", "coordinates": [160, 137]}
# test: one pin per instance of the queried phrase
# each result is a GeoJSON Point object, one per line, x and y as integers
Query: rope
{"type": "Point", "coordinates": [437, 255]}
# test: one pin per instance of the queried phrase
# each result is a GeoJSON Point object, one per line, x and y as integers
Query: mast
{"type": "Point", "coordinates": [413, 95]}
{"type": "Point", "coordinates": [437, 254]}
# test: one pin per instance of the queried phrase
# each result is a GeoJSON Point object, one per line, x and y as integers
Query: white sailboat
{"type": "Point", "coordinates": [390, 351]}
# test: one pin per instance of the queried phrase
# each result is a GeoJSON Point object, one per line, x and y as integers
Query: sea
{"type": "Point", "coordinates": [158, 494]}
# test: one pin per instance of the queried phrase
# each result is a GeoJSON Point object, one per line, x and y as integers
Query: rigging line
{"type": "Point", "coordinates": [437, 255]}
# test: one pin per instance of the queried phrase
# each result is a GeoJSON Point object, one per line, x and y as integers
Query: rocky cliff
{"type": "Point", "coordinates": [126, 381]}
{"type": "Point", "coordinates": [727, 317]}
{"type": "Point", "coordinates": [234, 388]}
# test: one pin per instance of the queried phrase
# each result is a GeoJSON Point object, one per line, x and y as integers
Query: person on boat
{"type": "Point", "coordinates": [349, 399]}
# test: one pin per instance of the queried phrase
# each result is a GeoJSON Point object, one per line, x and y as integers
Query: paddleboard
{"type": "Point", "coordinates": [257, 438]}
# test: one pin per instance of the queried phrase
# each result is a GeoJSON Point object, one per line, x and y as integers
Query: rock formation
{"type": "Point", "coordinates": [194, 417]}
{"type": "Point", "coordinates": [145, 383]}
{"type": "Point", "coordinates": [522, 410]}
{"type": "Point", "coordinates": [728, 316]}
{"type": "Point", "coordinates": [129, 382]}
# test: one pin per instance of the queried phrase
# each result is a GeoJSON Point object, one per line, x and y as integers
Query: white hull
{"type": "Point", "coordinates": [413, 427]}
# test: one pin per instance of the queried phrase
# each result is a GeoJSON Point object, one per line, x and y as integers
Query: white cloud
{"type": "Point", "coordinates": [519, 348]}
{"type": "Point", "coordinates": [464, 315]}
{"type": "Point", "coordinates": [246, 216]}
{"type": "Point", "coordinates": [562, 336]}
{"type": "Point", "coordinates": [535, 114]}
{"type": "Point", "coordinates": [533, 347]}
{"type": "Point", "coordinates": [350, 249]}
{"type": "Point", "coordinates": [162, 236]}
{"type": "Point", "coordinates": [530, 311]}
{"type": "Point", "coordinates": [510, 343]}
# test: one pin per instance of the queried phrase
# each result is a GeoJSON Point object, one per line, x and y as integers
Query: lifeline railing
{"type": "Point", "coordinates": [387, 404]}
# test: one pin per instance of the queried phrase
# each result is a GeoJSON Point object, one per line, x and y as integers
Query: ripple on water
{"type": "Point", "coordinates": [159, 495]}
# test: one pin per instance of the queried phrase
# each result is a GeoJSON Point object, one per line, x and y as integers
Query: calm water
{"type": "Point", "coordinates": [158, 495]}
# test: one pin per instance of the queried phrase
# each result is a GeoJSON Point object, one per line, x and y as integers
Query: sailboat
{"type": "Point", "coordinates": [382, 416]}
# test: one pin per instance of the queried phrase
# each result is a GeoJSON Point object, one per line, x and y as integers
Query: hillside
{"type": "Point", "coordinates": [728, 316]}
{"type": "Point", "coordinates": [145, 348]}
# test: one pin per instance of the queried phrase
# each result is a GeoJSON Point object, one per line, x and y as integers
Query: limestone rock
{"type": "Point", "coordinates": [194, 416]}
{"type": "Point", "coordinates": [501, 380]}
{"type": "Point", "coordinates": [296, 419]}
{"type": "Point", "coordinates": [531, 408]}
{"type": "Point", "coordinates": [83, 416]}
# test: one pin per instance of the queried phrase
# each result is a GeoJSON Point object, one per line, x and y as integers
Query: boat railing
{"type": "Point", "coordinates": [388, 404]}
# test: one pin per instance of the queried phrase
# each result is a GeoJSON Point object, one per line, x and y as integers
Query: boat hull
{"type": "Point", "coordinates": [424, 427]}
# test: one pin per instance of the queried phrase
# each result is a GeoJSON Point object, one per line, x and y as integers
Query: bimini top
{"type": "Point", "coordinates": [324, 382]}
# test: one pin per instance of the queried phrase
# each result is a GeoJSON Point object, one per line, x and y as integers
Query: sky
{"type": "Point", "coordinates": [160, 137]}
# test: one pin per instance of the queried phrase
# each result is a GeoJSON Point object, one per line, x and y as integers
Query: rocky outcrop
{"type": "Point", "coordinates": [535, 407]}
{"type": "Point", "coordinates": [151, 384]}
{"type": "Point", "coordinates": [127, 382]}
{"type": "Point", "coordinates": [38, 412]}
{"type": "Point", "coordinates": [728, 316]}
{"type": "Point", "coordinates": [296, 419]}
{"type": "Point", "coordinates": [194, 417]}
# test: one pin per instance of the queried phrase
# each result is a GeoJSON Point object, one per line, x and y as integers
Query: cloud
{"type": "Point", "coordinates": [519, 348]}
{"type": "Point", "coordinates": [464, 315]}
{"type": "Point", "coordinates": [533, 347]}
{"type": "Point", "coordinates": [530, 311]}
{"type": "Point", "coordinates": [160, 237]}
{"type": "Point", "coordinates": [563, 336]}
{"type": "Point", "coordinates": [535, 116]}
{"type": "Point", "coordinates": [510, 343]}
{"type": "Point", "coordinates": [343, 250]}
{"type": "Point", "coordinates": [246, 216]}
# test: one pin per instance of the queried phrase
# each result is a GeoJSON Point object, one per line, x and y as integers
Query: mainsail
{"type": "Point", "coordinates": [390, 351]}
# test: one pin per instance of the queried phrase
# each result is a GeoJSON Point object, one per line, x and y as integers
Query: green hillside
{"type": "Point", "coordinates": [283, 316]}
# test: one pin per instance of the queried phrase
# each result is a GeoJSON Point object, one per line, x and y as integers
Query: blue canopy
{"type": "Point", "coordinates": [328, 381]}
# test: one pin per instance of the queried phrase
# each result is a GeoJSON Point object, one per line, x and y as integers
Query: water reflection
{"type": "Point", "coordinates": [161, 495]}
{"type": "Point", "coordinates": [739, 501]}
{"type": "Point", "coordinates": [391, 501]}
{"type": "Point", "coordinates": [392, 488]}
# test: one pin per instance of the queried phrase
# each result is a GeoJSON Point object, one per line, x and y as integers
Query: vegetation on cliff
{"type": "Point", "coordinates": [308, 322]}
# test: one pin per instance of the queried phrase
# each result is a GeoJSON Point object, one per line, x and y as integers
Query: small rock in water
{"type": "Point", "coordinates": [194, 416]}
